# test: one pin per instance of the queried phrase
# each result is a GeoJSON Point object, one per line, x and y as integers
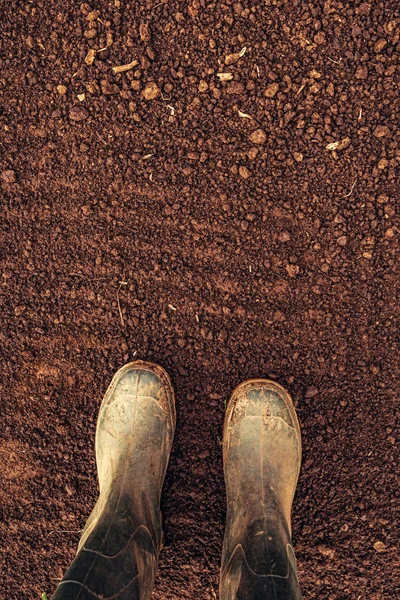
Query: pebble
{"type": "Point", "coordinates": [62, 90]}
{"type": "Point", "coordinates": [8, 176]}
{"type": "Point", "coordinates": [279, 317]}
{"type": "Point", "coordinates": [258, 136]}
{"type": "Point", "coordinates": [381, 131]}
{"type": "Point", "coordinates": [252, 153]}
{"type": "Point", "coordinates": [271, 90]}
{"type": "Point", "coordinates": [236, 87]}
{"type": "Point", "coordinates": [342, 240]}
{"type": "Point", "coordinates": [379, 547]}
{"type": "Point", "coordinates": [107, 88]}
{"type": "Point", "coordinates": [380, 44]}
{"type": "Point", "coordinates": [78, 113]}
{"type": "Point", "coordinates": [151, 91]}
{"type": "Point", "coordinates": [284, 236]}
{"type": "Point", "coordinates": [320, 38]}
{"type": "Point", "coordinates": [144, 32]}
{"type": "Point", "coordinates": [231, 59]}
{"type": "Point", "coordinates": [292, 270]}
{"type": "Point", "coordinates": [362, 72]}
{"type": "Point", "coordinates": [244, 172]}
{"type": "Point", "coordinates": [311, 392]}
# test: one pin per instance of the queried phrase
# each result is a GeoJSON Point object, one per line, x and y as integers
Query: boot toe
{"type": "Point", "coordinates": [141, 379]}
{"type": "Point", "coordinates": [261, 397]}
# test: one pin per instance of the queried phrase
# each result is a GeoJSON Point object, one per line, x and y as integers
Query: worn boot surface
{"type": "Point", "coordinates": [262, 456]}
{"type": "Point", "coordinates": [118, 551]}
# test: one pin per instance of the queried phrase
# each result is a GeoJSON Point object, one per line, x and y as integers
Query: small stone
{"type": "Point", "coordinates": [361, 72]}
{"type": "Point", "coordinates": [252, 153]}
{"type": "Point", "coordinates": [311, 392]}
{"type": "Point", "coordinates": [364, 9]}
{"type": "Point", "coordinates": [342, 240]}
{"type": "Point", "coordinates": [258, 136]}
{"type": "Point", "coordinates": [108, 88]}
{"type": "Point", "coordinates": [136, 85]}
{"type": "Point", "coordinates": [383, 164]}
{"type": "Point", "coordinates": [203, 86]}
{"type": "Point", "coordinates": [8, 176]}
{"type": "Point", "coordinates": [381, 131]}
{"type": "Point", "coordinates": [379, 45]}
{"type": "Point", "coordinates": [284, 236]}
{"type": "Point", "coordinates": [320, 38]}
{"type": "Point", "coordinates": [367, 255]}
{"type": "Point", "coordinates": [292, 270]}
{"type": "Point", "coordinates": [279, 317]}
{"type": "Point", "coordinates": [150, 52]}
{"type": "Point", "coordinates": [374, 369]}
{"type": "Point", "coordinates": [144, 32]}
{"type": "Point", "coordinates": [344, 143]}
{"type": "Point", "coordinates": [151, 91]}
{"type": "Point", "coordinates": [244, 172]}
{"type": "Point", "coordinates": [62, 90]}
{"type": "Point", "coordinates": [90, 34]}
{"type": "Point", "coordinates": [78, 113]}
{"type": "Point", "coordinates": [86, 210]}
{"type": "Point", "coordinates": [93, 15]}
{"type": "Point", "coordinates": [389, 233]}
{"type": "Point", "coordinates": [298, 156]}
{"type": "Point", "coordinates": [271, 90]}
{"type": "Point", "coordinates": [382, 199]}
{"type": "Point", "coordinates": [236, 87]}
{"type": "Point", "coordinates": [379, 547]}
{"type": "Point", "coordinates": [231, 59]}
{"type": "Point", "coordinates": [328, 552]}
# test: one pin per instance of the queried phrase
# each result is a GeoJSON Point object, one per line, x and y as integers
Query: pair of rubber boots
{"type": "Point", "coordinates": [119, 548]}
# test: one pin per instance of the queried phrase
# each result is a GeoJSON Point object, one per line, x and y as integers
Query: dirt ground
{"type": "Point", "coordinates": [225, 207]}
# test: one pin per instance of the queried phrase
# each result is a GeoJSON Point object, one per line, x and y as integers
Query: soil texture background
{"type": "Point", "coordinates": [224, 205]}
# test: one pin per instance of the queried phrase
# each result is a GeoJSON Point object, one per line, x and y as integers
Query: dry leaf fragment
{"type": "Point", "coordinates": [332, 146]}
{"type": "Point", "coordinates": [90, 56]}
{"type": "Point", "coordinates": [244, 115]}
{"type": "Point", "coordinates": [225, 76]}
{"type": "Point", "coordinates": [127, 67]}
{"type": "Point", "coordinates": [341, 145]}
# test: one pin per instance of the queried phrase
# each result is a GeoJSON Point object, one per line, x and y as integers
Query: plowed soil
{"type": "Point", "coordinates": [225, 207]}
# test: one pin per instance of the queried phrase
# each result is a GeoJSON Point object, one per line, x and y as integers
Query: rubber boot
{"type": "Point", "coordinates": [118, 551]}
{"type": "Point", "coordinates": [262, 456]}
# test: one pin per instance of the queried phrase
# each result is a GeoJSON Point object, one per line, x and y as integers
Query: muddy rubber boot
{"type": "Point", "coordinates": [118, 551]}
{"type": "Point", "coordinates": [262, 456]}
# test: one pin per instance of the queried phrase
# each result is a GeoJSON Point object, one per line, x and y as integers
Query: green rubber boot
{"type": "Point", "coordinates": [262, 456]}
{"type": "Point", "coordinates": [118, 551]}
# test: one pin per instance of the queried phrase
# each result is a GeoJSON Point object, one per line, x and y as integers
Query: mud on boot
{"type": "Point", "coordinates": [262, 456]}
{"type": "Point", "coordinates": [118, 551]}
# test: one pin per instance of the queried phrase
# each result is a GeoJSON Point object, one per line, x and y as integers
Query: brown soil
{"type": "Point", "coordinates": [235, 245]}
